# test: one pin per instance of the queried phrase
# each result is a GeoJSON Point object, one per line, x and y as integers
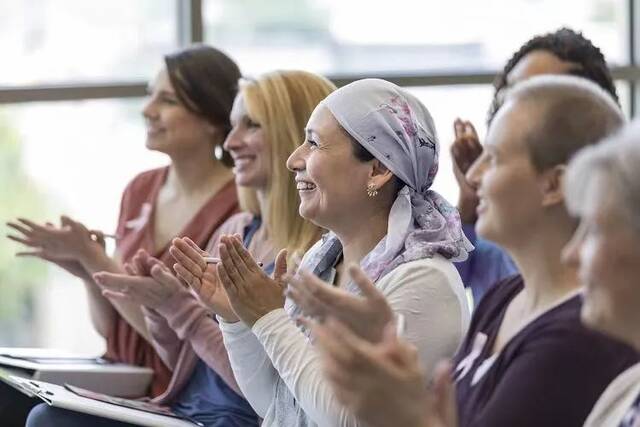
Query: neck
{"type": "Point", "coordinates": [196, 173]}
{"type": "Point", "coordinates": [538, 258]}
{"type": "Point", "coordinates": [263, 202]}
{"type": "Point", "coordinates": [360, 238]}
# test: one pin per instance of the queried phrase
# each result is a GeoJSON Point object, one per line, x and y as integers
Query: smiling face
{"type": "Point", "coordinates": [171, 128]}
{"type": "Point", "coordinates": [331, 181]}
{"type": "Point", "coordinates": [248, 148]}
{"type": "Point", "coordinates": [606, 252]}
{"type": "Point", "coordinates": [507, 184]}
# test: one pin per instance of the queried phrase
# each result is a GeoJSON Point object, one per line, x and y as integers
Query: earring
{"type": "Point", "coordinates": [218, 152]}
{"type": "Point", "coordinates": [372, 191]}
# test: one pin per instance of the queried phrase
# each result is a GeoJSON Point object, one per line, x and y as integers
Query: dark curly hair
{"type": "Point", "coordinates": [569, 46]}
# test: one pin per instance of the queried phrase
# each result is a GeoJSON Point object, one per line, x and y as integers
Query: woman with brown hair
{"type": "Point", "coordinates": [187, 118]}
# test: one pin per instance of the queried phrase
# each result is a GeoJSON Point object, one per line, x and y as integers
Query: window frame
{"type": "Point", "coordinates": [190, 29]}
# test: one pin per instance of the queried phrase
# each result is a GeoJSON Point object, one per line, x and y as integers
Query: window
{"type": "Point", "coordinates": [71, 158]}
{"type": "Point", "coordinates": [45, 41]}
{"type": "Point", "coordinates": [358, 37]}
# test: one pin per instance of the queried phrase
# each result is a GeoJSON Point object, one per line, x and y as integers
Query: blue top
{"type": "Point", "coordinates": [487, 264]}
{"type": "Point", "coordinates": [207, 398]}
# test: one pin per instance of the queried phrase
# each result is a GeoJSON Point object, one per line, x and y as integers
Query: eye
{"type": "Point", "coordinates": [312, 144]}
{"type": "Point", "coordinates": [251, 124]}
{"type": "Point", "coordinates": [169, 100]}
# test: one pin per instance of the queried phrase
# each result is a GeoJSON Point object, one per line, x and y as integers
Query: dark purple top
{"type": "Point", "coordinates": [549, 374]}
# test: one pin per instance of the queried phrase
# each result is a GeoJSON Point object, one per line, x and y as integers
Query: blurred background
{"type": "Point", "coordinates": [73, 77]}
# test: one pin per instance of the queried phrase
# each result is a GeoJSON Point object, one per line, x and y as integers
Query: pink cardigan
{"type": "Point", "coordinates": [184, 330]}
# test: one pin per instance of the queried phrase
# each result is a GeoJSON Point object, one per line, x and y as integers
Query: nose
{"type": "Point", "coordinates": [233, 141]}
{"type": "Point", "coordinates": [296, 161]}
{"type": "Point", "coordinates": [476, 171]}
{"type": "Point", "coordinates": [149, 110]}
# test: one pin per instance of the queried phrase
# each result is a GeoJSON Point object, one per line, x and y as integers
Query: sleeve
{"type": "Point", "coordinates": [252, 367]}
{"type": "Point", "coordinates": [433, 326]}
{"type": "Point", "coordinates": [487, 264]}
{"type": "Point", "coordinates": [555, 380]}
{"type": "Point", "coordinates": [190, 322]}
{"type": "Point", "coordinates": [164, 339]}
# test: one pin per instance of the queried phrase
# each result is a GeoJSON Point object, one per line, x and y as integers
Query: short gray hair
{"type": "Point", "coordinates": [573, 113]}
{"type": "Point", "coordinates": [617, 159]}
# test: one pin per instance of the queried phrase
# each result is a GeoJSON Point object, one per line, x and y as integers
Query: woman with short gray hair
{"type": "Point", "coordinates": [603, 189]}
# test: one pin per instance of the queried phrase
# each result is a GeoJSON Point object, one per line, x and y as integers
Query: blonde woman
{"type": "Point", "coordinates": [268, 118]}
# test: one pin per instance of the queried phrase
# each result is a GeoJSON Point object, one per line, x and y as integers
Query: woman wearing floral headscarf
{"type": "Point", "coordinates": [364, 174]}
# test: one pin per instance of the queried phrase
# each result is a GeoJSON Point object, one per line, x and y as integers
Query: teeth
{"type": "Point", "coordinates": [305, 186]}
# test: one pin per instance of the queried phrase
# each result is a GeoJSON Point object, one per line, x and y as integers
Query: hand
{"type": "Point", "coordinates": [150, 291]}
{"type": "Point", "coordinates": [251, 292]}
{"type": "Point", "coordinates": [72, 241]}
{"type": "Point", "coordinates": [366, 316]}
{"type": "Point", "coordinates": [465, 150]}
{"type": "Point", "coordinates": [201, 277]}
{"type": "Point", "coordinates": [382, 384]}
{"type": "Point", "coordinates": [141, 264]}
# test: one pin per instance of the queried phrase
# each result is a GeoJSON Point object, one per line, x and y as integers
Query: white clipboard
{"type": "Point", "coordinates": [61, 397]}
{"type": "Point", "coordinates": [56, 367]}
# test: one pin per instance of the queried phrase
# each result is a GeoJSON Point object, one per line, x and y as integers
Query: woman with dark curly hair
{"type": "Point", "coordinates": [561, 52]}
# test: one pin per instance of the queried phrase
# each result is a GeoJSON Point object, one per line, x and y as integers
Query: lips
{"type": "Point", "coordinates": [152, 130]}
{"type": "Point", "coordinates": [241, 161]}
{"type": "Point", "coordinates": [304, 185]}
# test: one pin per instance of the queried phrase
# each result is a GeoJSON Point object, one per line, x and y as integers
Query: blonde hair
{"type": "Point", "coordinates": [282, 102]}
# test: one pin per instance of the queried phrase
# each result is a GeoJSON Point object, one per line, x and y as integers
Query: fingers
{"type": "Point", "coordinates": [331, 343]}
{"type": "Point", "coordinates": [191, 280]}
{"type": "Point", "coordinates": [230, 267]}
{"type": "Point", "coordinates": [244, 262]}
{"type": "Point", "coordinates": [36, 254]}
{"type": "Point", "coordinates": [130, 269]}
{"type": "Point", "coordinates": [164, 277]}
{"type": "Point", "coordinates": [280, 268]}
{"type": "Point", "coordinates": [458, 128]}
{"type": "Point", "coordinates": [226, 280]}
{"type": "Point", "coordinates": [313, 296]}
{"type": "Point", "coordinates": [115, 295]}
{"type": "Point", "coordinates": [20, 228]}
{"type": "Point", "coordinates": [363, 282]}
{"type": "Point", "coordinates": [444, 400]}
{"type": "Point", "coordinates": [117, 282]}
{"type": "Point", "coordinates": [34, 226]}
{"type": "Point", "coordinates": [188, 255]}
{"type": "Point", "coordinates": [195, 247]}
{"type": "Point", "coordinates": [188, 258]}
{"type": "Point", "coordinates": [26, 242]}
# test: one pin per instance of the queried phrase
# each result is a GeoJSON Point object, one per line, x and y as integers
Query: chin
{"type": "Point", "coordinates": [594, 319]}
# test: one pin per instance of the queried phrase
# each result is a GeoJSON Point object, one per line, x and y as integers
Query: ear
{"type": "Point", "coordinates": [214, 131]}
{"type": "Point", "coordinates": [552, 186]}
{"type": "Point", "coordinates": [379, 174]}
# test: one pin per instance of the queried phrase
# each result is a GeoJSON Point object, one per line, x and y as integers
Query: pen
{"type": "Point", "coordinates": [214, 260]}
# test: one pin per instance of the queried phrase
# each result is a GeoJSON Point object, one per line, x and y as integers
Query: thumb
{"type": "Point", "coordinates": [280, 267]}
{"type": "Point", "coordinates": [363, 282]}
{"type": "Point", "coordinates": [163, 276]}
{"type": "Point", "coordinates": [66, 221]}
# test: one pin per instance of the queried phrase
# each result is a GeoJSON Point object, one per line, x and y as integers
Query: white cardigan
{"type": "Point", "coordinates": [616, 400]}
{"type": "Point", "coordinates": [428, 292]}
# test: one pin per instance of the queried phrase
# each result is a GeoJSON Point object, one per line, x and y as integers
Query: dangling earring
{"type": "Point", "coordinates": [218, 152]}
{"type": "Point", "coordinates": [372, 191]}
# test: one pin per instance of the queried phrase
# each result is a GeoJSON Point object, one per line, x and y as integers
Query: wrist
{"type": "Point", "coordinates": [467, 209]}
{"type": "Point", "coordinates": [91, 257]}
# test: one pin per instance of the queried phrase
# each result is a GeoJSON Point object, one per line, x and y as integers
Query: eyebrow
{"type": "Point", "coordinates": [162, 92]}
